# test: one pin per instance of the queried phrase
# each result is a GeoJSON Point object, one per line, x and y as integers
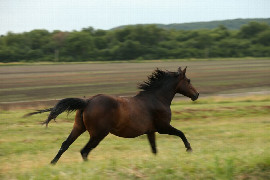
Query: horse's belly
{"type": "Point", "coordinates": [133, 119]}
{"type": "Point", "coordinates": [132, 129]}
{"type": "Point", "coordinates": [126, 134]}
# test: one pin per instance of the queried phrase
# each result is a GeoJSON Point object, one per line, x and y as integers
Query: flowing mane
{"type": "Point", "coordinates": [156, 79]}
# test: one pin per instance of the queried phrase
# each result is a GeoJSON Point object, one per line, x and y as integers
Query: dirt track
{"type": "Point", "coordinates": [39, 85]}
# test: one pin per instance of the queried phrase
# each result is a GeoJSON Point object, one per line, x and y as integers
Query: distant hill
{"type": "Point", "coordinates": [232, 24]}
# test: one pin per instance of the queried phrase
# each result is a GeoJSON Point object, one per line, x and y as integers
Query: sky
{"type": "Point", "coordinates": [67, 15]}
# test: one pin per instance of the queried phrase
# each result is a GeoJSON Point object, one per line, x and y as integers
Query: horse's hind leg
{"type": "Point", "coordinates": [92, 143]}
{"type": "Point", "coordinates": [152, 140]}
{"type": "Point", "coordinates": [77, 130]}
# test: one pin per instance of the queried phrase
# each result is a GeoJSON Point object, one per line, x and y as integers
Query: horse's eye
{"type": "Point", "coordinates": [188, 80]}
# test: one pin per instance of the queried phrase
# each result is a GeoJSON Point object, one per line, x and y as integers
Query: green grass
{"type": "Point", "coordinates": [230, 138]}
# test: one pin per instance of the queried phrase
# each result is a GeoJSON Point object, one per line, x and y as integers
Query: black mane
{"type": "Point", "coordinates": [156, 79]}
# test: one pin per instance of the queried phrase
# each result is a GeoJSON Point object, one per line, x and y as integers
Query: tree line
{"type": "Point", "coordinates": [141, 42]}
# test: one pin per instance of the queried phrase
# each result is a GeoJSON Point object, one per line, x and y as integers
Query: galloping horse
{"type": "Point", "coordinates": [146, 113]}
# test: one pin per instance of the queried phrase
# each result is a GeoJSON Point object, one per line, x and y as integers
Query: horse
{"type": "Point", "coordinates": [147, 112]}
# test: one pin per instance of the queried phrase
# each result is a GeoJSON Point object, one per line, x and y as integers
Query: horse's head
{"type": "Point", "coordinates": [185, 87]}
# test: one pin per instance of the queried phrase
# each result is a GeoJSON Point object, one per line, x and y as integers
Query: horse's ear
{"type": "Point", "coordinates": [184, 71]}
{"type": "Point", "coordinates": [179, 70]}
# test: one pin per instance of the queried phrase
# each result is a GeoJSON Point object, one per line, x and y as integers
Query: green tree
{"type": "Point", "coordinates": [59, 38]}
{"type": "Point", "coordinates": [252, 29]}
{"type": "Point", "coordinates": [264, 38]}
{"type": "Point", "coordinates": [78, 46]}
{"type": "Point", "coordinates": [135, 42]}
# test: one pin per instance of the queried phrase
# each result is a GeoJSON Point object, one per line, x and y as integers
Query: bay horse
{"type": "Point", "coordinates": [146, 113]}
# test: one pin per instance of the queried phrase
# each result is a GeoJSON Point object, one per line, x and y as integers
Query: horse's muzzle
{"type": "Point", "coordinates": [195, 97]}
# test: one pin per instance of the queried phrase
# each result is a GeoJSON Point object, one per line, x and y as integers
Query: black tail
{"type": "Point", "coordinates": [68, 104]}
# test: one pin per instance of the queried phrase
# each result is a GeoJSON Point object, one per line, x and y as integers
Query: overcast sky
{"type": "Point", "coordinates": [26, 15]}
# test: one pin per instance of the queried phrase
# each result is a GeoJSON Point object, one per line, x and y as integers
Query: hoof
{"type": "Point", "coordinates": [189, 149]}
{"type": "Point", "coordinates": [53, 162]}
{"type": "Point", "coordinates": [84, 156]}
{"type": "Point", "coordinates": [154, 152]}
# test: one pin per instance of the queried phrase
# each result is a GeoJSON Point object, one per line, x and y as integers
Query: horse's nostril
{"type": "Point", "coordinates": [198, 94]}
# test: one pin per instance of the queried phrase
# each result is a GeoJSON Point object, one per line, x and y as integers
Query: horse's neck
{"type": "Point", "coordinates": [165, 96]}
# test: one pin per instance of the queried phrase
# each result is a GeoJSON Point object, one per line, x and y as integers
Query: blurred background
{"type": "Point", "coordinates": [53, 50]}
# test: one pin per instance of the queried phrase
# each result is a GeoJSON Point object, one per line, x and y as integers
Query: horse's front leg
{"type": "Point", "coordinates": [168, 129]}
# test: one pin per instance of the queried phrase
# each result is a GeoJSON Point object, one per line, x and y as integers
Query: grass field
{"type": "Point", "coordinates": [230, 138]}
{"type": "Point", "coordinates": [55, 81]}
